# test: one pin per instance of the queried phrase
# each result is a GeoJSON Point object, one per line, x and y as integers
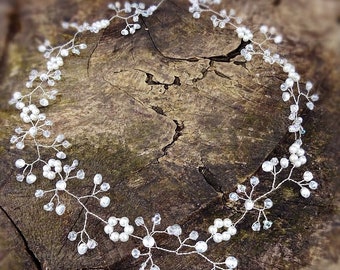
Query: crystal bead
{"type": "Point", "coordinates": [91, 243]}
{"type": "Point", "coordinates": [193, 235]}
{"type": "Point", "coordinates": [256, 226]}
{"type": "Point", "coordinates": [49, 206]}
{"type": "Point", "coordinates": [241, 188]}
{"type": "Point", "coordinates": [313, 185]}
{"type": "Point", "coordinates": [267, 224]}
{"type": "Point", "coordinates": [105, 186]}
{"type": "Point", "coordinates": [233, 197]}
{"type": "Point", "coordinates": [139, 221]}
{"type": "Point", "coordinates": [174, 230]}
{"type": "Point", "coordinates": [60, 209]}
{"type": "Point", "coordinates": [80, 174]}
{"type": "Point", "coordinates": [39, 193]}
{"type": "Point", "coordinates": [135, 253]}
{"type": "Point", "coordinates": [72, 236]}
{"type": "Point", "coordinates": [156, 219]}
{"type": "Point", "coordinates": [268, 203]}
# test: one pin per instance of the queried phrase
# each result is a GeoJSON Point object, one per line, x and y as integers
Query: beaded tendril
{"type": "Point", "coordinates": [37, 128]}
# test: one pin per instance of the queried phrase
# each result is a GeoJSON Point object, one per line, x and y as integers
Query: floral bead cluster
{"type": "Point", "coordinates": [37, 129]}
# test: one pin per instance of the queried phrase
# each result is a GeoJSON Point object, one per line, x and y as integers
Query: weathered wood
{"type": "Point", "coordinates": [172, 130]}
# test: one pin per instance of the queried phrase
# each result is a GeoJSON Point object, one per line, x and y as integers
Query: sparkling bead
{"type": "Point", "coordinates": [307, 176]}
{"type": "Point", "coordinates": [305, 192]}
{"type": "Point", "coordinates": [233, 197]}
{"type": "Point", "coordinates": [268, 203]}
{"type": "Point", "coordinates": [104, 201]}
{"type": "Point", "coordinates": [267, 224]}
{"type": "Point", "coordinates": [201, 247]}
{"type": "Point", "coordinates": [256, 226]}
{"type": "Point", "coordinates": [231, 262]}
{"type": "Point", "coordinates": [148, 241]}
{"type": "Point", "coordinates": [105, 186]}
{"type": "Point", "coordinates": [193, 235]}
{"type": "Point", "coordinates": [39, 193]}
{"type": "Point", "coordinates": [61, 155]}
{"type": "Point", "coordinates": [139, 221]}
{"type": "Point", "coordinates": [241, 188]}
{"type": "Point", "coordinates": [248, 205]}
{"type": "Point", "coordinates": [82, 248]}
{"type": "Point", "coordinates": [267, 166]}
{"type": "Point", "coordinates": [97, 179]}
{"type": "Point", "coordinates": [254, 181]}
{"type": "Point", "coordinates": [72, 236]}
{"type": "Point", "coordinates": [49, 206]}
{"type": "Point", "coordinates": [80, 174]}
{"type": "Point", "coordinates": [174, 230]}
{"type": "Point", "coordinates": [135, 253]}
{"type": "Point", "coordinates": [313, 185]}
{"type": "Point", "coordinates": [91, 243]}
{"type": "Point", "coordinates": [20, 177]}
{"type": "Point", "coordinates": [156, 219]}
{"type": "Point", "coordinates": [60, 209]}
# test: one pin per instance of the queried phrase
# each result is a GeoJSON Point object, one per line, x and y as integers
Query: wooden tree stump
{"type": "Point", "coordinates": [173, 120]}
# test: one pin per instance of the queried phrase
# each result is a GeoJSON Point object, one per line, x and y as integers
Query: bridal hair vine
{"type": "Point", "coordinates": [36, 129]}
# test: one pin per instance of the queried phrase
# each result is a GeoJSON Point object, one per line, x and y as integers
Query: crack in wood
{"type": "Point", "coordinates": [209, 177]}
{"type": "Point", "coordinates": [30, 252]}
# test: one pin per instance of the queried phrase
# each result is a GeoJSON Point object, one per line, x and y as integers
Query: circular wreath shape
{"type": "Point", "coordinates": [206, 107]}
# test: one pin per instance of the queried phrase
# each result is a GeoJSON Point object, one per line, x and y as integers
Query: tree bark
{"type": "Point", "coordinates": [173, 119]}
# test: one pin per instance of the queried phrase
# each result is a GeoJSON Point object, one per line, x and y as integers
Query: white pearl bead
{"type": "Point", "coordinates": [201, 246]}
{"type": "Point", "coordinates": [305, 192]}
{"type": "Point", "coordinates": [148, 241]}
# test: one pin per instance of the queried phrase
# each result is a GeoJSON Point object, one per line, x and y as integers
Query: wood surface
{"type": "Point", "coordinates": [173, 126]}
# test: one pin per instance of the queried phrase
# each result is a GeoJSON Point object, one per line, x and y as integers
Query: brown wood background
{"type": "Point", "coordinates": [172, 131]}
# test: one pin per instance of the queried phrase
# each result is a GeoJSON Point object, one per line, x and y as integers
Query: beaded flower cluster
{"type": "Point", "coordinates": [36, 128]}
